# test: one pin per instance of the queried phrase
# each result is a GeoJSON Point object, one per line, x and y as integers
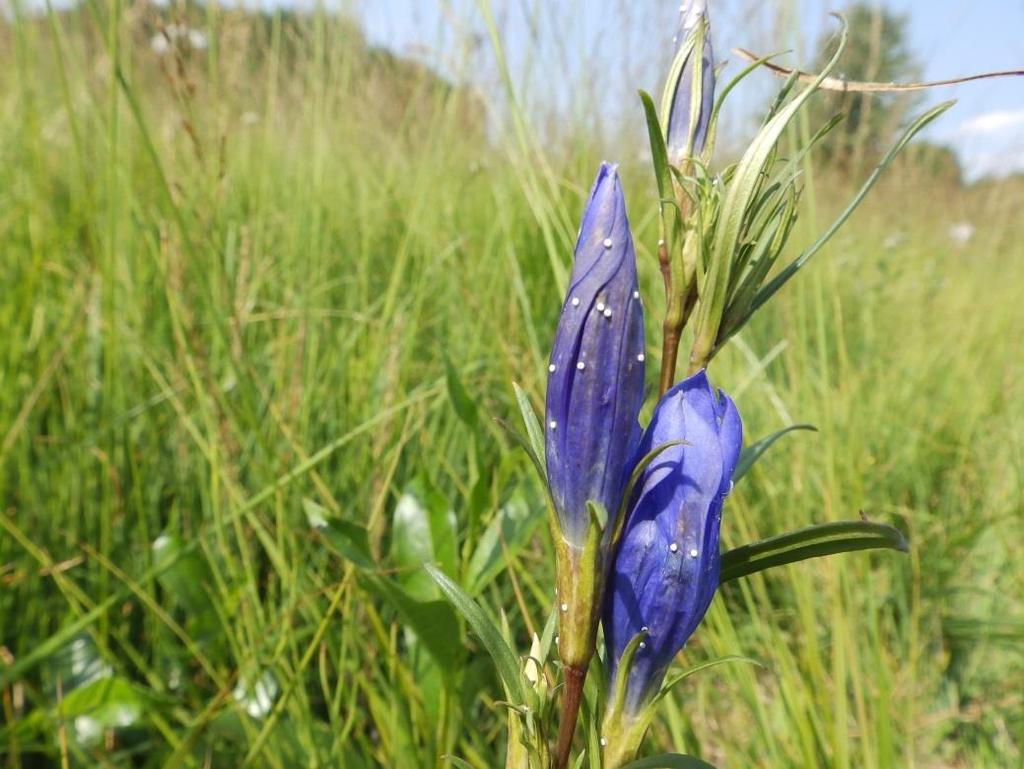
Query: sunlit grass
{"type": "Point", "coordinates": [230, 286]}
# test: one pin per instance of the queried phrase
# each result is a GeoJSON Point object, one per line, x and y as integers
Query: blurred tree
{"type": "Point", "coordinates": [936, 163]}
{"type": "Point", "coordinates": [877, 50]}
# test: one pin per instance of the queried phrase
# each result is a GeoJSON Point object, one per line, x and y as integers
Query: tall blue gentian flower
{"type": "Point", "coordinates": [596, 371]}
{"type": "Point", "coordinates": [595, 390]}
{"type": "Point", "coordinates": [690, 92]}
{"type": "Point", "coordinates": [666, 569]}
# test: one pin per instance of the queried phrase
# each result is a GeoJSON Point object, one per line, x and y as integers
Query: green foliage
{"type": "Point", "coordinates": [216, 392]}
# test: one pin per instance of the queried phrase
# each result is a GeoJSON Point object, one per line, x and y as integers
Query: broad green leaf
{"type": "Point", "coordinates": [753, 452]}
{"type": "Point", "coordinates": [505, 661]}
{"type": "Point", "coordinates": [809, 542]}
{"type": "Point", "coordinates": [433, 622]}
{"type": "Point", "coordinates": [347, 539]}
{"type": "Point", "coordinates": [443, 526]}
{"type": "Point", "coordinates": [107, 703]}
{"type": "Point", "coordinates": [412, 543]}
{"type": "Point", "coordinates": [187, 581]}
{"type": "Point", "coordinates": [77, 663]}
{"type": "Point", "coordinates": [462, 402]}
{"type": "Point", "coordinates": [669, 761]}
{"type": "Point", "coordinates": [505, 535]}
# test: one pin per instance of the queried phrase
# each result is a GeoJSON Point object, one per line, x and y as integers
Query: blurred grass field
{"type": "Point", "coordinates": [283, 279]}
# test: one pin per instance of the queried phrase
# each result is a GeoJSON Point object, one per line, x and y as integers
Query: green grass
{"type": "Point", "coordinates": [229, 287]}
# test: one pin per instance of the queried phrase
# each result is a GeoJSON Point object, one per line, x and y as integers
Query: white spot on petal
{"type": "Point", "coordinates": [581, 365]}
{"type": "Point", "coordinates": [575, 301]}
{"type": "Point", "coordinates": [694, 553]}
{"type": "Point", "coordinates": [551, 368]}
{"type": "Point", "coordinates": [552, 424]}
{"type": "Point", "coordinates": [674, 547]}
{"type": "Point", "coordinates": [641, 357]}
{"type": "Point", "coordinates": [607, 242]}
{"type": "Point", "coordinates": [607, 312]}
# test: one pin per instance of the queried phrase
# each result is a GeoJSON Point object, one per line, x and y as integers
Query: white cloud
{"type": "Point", "coordinates": [996, 122]}
{"type": "Point", "coordinates": [990, 144]}
{"type": "Point", "coordinates": [994, 164]}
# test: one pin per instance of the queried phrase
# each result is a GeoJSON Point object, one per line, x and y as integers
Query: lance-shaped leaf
{"type": "Point", "coordinates": [669, 761]}
{"type": "Point", "coordinates": [809, 542]}
{"type": "Point", "coordinates": [504, 660]}
{"type": "Point", "coordinates": [753, 452]}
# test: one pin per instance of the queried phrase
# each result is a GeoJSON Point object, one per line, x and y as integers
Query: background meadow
{"type": "Point", "coordinates": [265, 290]}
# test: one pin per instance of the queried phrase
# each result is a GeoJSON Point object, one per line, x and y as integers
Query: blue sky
{"type": "Point", "coordinates": [609, 48]}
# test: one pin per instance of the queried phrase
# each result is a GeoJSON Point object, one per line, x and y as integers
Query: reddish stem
{"type": "Point", "coordinates": [572, 696]}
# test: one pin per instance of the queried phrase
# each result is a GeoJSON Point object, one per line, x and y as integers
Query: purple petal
{"type": "Point", "coordinates": [596, 371]}
{"type": "Point", "coordinates": [666, 570]}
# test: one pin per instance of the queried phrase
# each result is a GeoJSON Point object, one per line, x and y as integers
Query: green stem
{"type": "Point", "coordinates": [621, 735]}
{"type": "Point", "coordinates": [579, 576]}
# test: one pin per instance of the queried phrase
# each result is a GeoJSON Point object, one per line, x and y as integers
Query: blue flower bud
{"type": "Point", "coordinates": [666, 570]}
{"type": "Point", "coordinates": [686, 114]}
{"type": "Point", "coordinates": [596, 371]}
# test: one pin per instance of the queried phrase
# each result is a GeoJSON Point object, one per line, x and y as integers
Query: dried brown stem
{"type": "Point", "coordinates": [855, 86]}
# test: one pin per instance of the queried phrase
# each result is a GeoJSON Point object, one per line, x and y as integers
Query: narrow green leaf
{"type": "Point", "coordinates": [809, 542]}
{"type": "Point", "coordinates": [634, 478]}
{"type": "Point", "coordinates": [504, 659]}
{"type": "Point", "coordinates": [44, 650]}
{"type": "Point", "coordinates": [669, 761]}
{"type": "Point", "coordinates": [749, 174]}
{"type": "Point", "coordinates": [723, 93]}
{"type": "Point", "coordinates": [533, 428]}
{"type": "Point", "coordinates": [753, 452]}
{"type": "Point", "coordinates": [618, 699]}
{"type": "Point", "coordinates": [675, 680]}
{"type": "Point", "coordinates": [791, 269]}
{"type": "Point", "coordinates": [527, 446]}
{"type": "Point", "coordinates": [659, 153]}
